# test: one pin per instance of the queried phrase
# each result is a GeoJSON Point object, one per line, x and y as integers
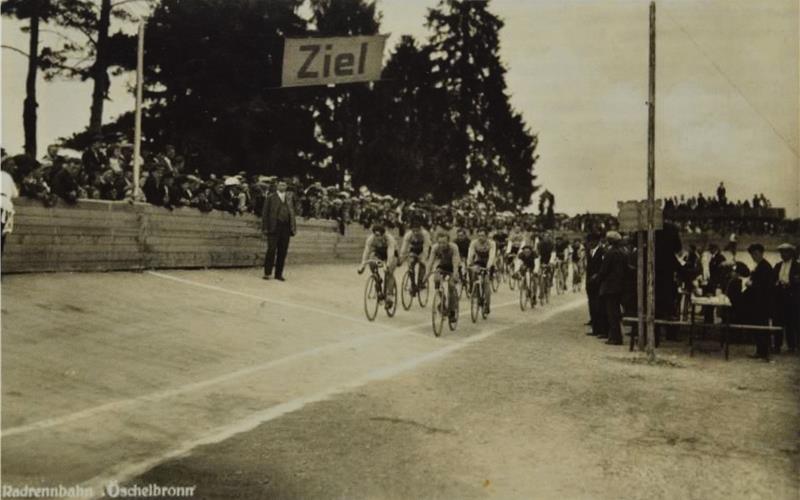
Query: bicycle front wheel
{"type": "Point", "coordinates": [391, 295]}
{"type": "Point", "coordinates": [371, 298]}
{"type": "Point", "coordinates": [475, 302]}
{"type": "Point", "coordinates": [438, 313]}
{"type": "Point", "coordinates": [405, 291]}
{"type": "Point", "coordinates": [422, 294]}
{"type": "Point", "coordinates": [523, 294]}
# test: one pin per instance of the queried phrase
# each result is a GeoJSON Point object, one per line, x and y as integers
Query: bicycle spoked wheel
{"type": "Point", "coordinates": [390, 311]}
{"type": "Point", "coordinates": [475, 302]}
{"type": "Point", "coordinates": [495, 282]}
{"type": "Point", "coordinates": [438, 313]}
{"type": "Point", "coordinates": [534, 289]}
{"type": "Point", "coordinates": [422, 294]}
{"type": "Point", "coordinates": [405, 291]}
{"type": "Point", "coordinates": [452, 322]}
{"type": "Point", "coordinates": [523, 294]}
{"type": "Point", "coordinates": [371, 298]}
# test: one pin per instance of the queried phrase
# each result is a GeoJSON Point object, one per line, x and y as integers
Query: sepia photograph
{"type": "Point", "coordinates": [400, 249]}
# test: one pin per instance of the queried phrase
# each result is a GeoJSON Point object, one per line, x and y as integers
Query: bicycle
{"type": "Point", "coordinates": [462, 286]}
{"type": "Point", "coordinates": [478, 296]}
{"type": "Point", "coordinates": [513, 280]}
{"type": "Point", "coordinates": [441, 306]}
{"type": "Point", "coordinates": [545, 282]}
{"type": "Point", "coordinates": [577, 276]}
{"type": "Point", "coordinates": [410, 288]}
{"type": "Point", "coordinates": [373, 293]}
{"type": "Point", "coordinates": [495, 279]}
{"type": "Point", "coordinates": [528, 285]}
{"type": "Point", "coordinates": [560, 279]}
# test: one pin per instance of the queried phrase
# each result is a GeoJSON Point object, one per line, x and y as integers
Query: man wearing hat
{"type": "Point", "coordinates": [787, 297]}
{"type": "Point", "coordinates": [612, 283]}
{"type": "Point", "coordinates": [278, 224]}
{"type": "Point", "coordinates": [761, 288]}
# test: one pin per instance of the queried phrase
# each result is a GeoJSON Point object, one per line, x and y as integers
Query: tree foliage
{"type": "Point", "coordinates": [438, 122]}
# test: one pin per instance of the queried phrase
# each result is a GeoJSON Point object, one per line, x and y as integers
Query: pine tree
{"type": "Point", "coordinates": [492, 148]}
{"type": "Point", "coordinates": [36, 12]}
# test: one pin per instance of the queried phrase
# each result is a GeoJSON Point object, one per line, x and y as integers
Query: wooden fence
{"type": "Point", "coordinates": [106, 236]}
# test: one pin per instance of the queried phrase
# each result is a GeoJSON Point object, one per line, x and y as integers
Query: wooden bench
{"type": "Point", "coordinates": [725, 329]}
{"type": "Point", "coordinates": [635, 321]}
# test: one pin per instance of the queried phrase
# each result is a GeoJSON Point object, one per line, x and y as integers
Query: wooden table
{"type": "Point", "coordinates": [718, 303]}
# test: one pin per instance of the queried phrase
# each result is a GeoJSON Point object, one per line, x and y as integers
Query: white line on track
{"type": "Point", "coordinates": [284, 303]}
{"type": "Point", "coordinates": [388, 331]}
{"type": "Point", "coordinates": [128, 471]}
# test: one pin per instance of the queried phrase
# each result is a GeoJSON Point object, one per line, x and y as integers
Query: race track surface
{"type": "Point", "coordinates": [251, 389]}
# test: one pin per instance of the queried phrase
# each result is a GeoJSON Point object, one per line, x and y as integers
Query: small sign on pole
{"type": "Point", "coordinates": [325, 61]}
{"type": "Point", "coordinates": [633, 216]}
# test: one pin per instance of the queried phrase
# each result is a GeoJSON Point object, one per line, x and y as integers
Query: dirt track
{"type": "Point", "coordinates": [522, 406]}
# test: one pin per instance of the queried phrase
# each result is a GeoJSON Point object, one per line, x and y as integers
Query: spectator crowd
{"type": "Point", "coordinates": [104, 171]}
{"type": "Point", "coordinates": [702, 214]}
{"type": "Point", "coordinates": [759, 294]}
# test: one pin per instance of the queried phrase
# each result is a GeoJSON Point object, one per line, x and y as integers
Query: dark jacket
{"type": "Point", "coordinates": [612, 272]}
{"type": "Point", "coordinates": [269, 214]}
{"type": "Point", "coordinates": [593, 265]}
{"type": "Point", "coordinates": [761, 289]}
{"type": "Point", "coordinates": [716, 273]}
{"type": "Point", "coordinates": [793, 289]}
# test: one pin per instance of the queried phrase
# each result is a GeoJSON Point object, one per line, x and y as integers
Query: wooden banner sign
{"type": "Point", "coordinates": [633, 216]}
{"type": "Point", "coordinates": [324, 61]}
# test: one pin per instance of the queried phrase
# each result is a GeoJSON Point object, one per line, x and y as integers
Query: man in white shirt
{"type": "Point", "coordinates": [9, 192]}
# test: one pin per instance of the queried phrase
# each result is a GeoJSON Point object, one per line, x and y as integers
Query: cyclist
{"type": "Point", "coordinates": [463, 242]}
{"type": "Point", "coordinates": [500, 238]}
{"type": "Point", "coordinates": [445, 258]}
{"type": "Point", "coordinates": [481, 255]}
{"type": "Point", "coordinates": [578, 262]}
{"type": "Point", "coordinates": [515, 241]}
{"type": "Point", "coordinates": [381, 246]}
{"type": "Point", "coordinates": [563, 257]}
{"type": "Point", "coordinates": [415, 247]}
{"type": "Point", "coordinates": [528, 262]}
{"type": "Point", "coordinates": [546, 249]}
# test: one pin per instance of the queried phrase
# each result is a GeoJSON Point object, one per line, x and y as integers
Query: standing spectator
{"type": "Point", "coordinates": [8, 191]}
{"type": "Point", "coordinates": [787, 297]}
{"type": "Point", "coordinates": [716, 272]}
{"type": "Point", "coordinates": [65, 181]}
{"type": "Point", "coordinates": [761, 286]}
{"type": "Point", "coordinates": [594, 260]}
{"type": "Point", "coordinates": [721, 195]}
{"type": "Point", "coordinates": [612, 281]}
{"type": "Point", "coordinates": [278, 224]}
{"type": "Point", "coordinates": [94, 160]}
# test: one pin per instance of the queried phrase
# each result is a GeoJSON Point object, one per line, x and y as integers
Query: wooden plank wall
{"type": "Point", "coordinates": [106, 236]}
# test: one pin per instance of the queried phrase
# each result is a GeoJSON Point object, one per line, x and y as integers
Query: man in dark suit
{"type": "Point", "coordinates": [278, 224]}
{"type": "Point", "coordinates": [787, 298]}
{"type": "Point", "coordinates": [611, 279]}
{"type": "Point", "coordinates": [594, 258]}
{"type": "Point", "coordinates": [761, 285]}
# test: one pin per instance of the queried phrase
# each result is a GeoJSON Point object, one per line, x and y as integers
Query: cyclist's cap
{"type": "Point", "coordinates": [613, 236]}
{"type": "Point", "coordinates": [527, 246]}
{"type": "Point", "coordinates": [378, 228]}
{"type": "Point", "coordinates": [442, 233]}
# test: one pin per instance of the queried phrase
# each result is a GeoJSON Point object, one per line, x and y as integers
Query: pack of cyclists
{"type": "Point", "coordinates": [463, 260]}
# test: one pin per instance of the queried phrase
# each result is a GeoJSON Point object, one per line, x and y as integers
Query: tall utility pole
{"type": "Point", "coordinates": [137, 133]}
{"type": "Point", "coordinates": [651, 190]}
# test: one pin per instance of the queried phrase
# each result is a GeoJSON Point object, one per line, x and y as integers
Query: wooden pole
{"type": "Point", "coordinates": [137, 133]}
{"type": "Point", "coordinates": [640, 288]}
{"type": "Point", "coordinates": [651, 188]}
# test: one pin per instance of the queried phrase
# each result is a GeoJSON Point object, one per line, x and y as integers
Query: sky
{"type": "Point", "coordinates": [726, 96]}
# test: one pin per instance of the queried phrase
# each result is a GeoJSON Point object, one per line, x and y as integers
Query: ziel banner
{"type": "Point", "coordinates": [323, 61]}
